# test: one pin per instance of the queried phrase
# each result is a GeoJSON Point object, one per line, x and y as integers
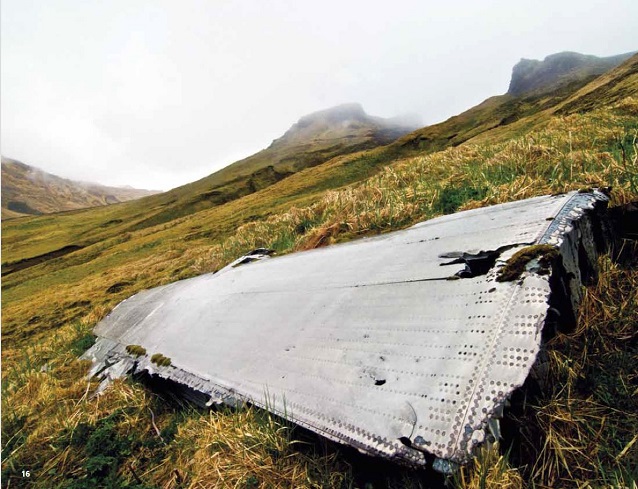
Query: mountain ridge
{"type": "Point", "coordinates": [313, 140]}
{"type": "Point", "coordinates": [27, 190]}
{"type": "Point", "coordinates": [531, 75]}
{"type": "Point", "coordinates": [502, 110]}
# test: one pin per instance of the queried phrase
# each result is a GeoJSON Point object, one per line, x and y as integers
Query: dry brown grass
{"type": "Point", "coordinates": [489, 470]}
{"type": "Point", "coordinates": [242, 449]}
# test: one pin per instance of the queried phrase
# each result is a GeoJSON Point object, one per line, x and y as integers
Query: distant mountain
{"type": "Point", "coordinates": [313, 140]}
{"type": "Point", "coordinates": [535, 86]}
{"type": "Point", "coordinates": [29, 191]}
{"type": "Point", "coordinates": [556, 70]}
{"type": "Point", "coordinates": [316, 138]}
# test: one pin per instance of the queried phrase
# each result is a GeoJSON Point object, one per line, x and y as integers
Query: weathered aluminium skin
{"type": "Point", "coordinates": [399, 345]}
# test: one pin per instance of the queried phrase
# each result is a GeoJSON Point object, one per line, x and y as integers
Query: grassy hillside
{"type": "Point", "coordinates": [582, 428]}
{"type": "Point", "coordinates": [29, 191]}
{"type": "Point", "coordinates": [327, 136]}
{"type": "Point", "coordinates": [505, 116]}
{"type": "Point", "coordinates": [325, 150]}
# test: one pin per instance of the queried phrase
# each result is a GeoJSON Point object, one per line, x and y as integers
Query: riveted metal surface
{"type": "Point", "coordinates": [368, 342]}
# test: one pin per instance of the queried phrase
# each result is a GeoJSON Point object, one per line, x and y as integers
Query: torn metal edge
{"type": "Point", "coordinates": [578, 232]}
{"type": "Point", "coordinates": [580, 242]}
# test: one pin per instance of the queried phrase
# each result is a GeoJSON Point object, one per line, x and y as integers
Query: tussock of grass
{"type": "Point", "coordinates": [489, 470]}
{"type": "Point", "coordinates": [244, 449]}
{"type": "Point", "coordinates": [581, 429]}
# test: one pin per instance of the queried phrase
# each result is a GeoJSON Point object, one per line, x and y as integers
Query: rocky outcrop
{"type": "Point", "coordinates": [530, 75]}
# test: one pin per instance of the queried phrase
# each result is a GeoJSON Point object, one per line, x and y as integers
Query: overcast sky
{"type": "Point", "coordinates": [155, 94]}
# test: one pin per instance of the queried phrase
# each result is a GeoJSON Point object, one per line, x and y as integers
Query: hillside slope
{"type": "Point", "coordinates": [39, 237]}
{"type": "Point", "coordinates": [534, 86]}
{"type": "Point", "coordinates": [330, 135]}
{"type": "Point", "coordinates": [30, 191]}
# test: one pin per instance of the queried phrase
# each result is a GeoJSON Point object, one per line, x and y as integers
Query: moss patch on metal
{"type": "Point", "coordinates": [136, 350]}
{"type": "Point", "coordinates": [515, 266]}
{"type": "Point", "coordinates": [161, 360]}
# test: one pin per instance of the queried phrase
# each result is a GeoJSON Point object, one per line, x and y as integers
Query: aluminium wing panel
{"type": "Point", "coordinates": [376, 343]}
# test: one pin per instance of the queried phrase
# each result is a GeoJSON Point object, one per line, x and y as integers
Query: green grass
{"type": "Point", "coordinates": [452, 197]}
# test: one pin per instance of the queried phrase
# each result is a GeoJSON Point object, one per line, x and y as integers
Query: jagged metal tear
{"type": "Point", "coordinates": [371, 343]}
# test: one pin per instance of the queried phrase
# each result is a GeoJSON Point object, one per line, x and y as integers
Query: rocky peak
{"type": "Point", "coordinates": [530, 75]}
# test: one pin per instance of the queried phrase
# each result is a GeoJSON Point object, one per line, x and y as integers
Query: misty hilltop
{"type": "Point", "coordinates": [535, 88]}
{"type": "Point", "coordinates": [321, 135]}
{"type": "Point", "coordinates": [347, 121]}
{"type": "Point", "coordinates": [27, 190]}
{"type": "Point", "coordinates": [314, 140]}
{"type": "Point", "coordinates": [559, 69]}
